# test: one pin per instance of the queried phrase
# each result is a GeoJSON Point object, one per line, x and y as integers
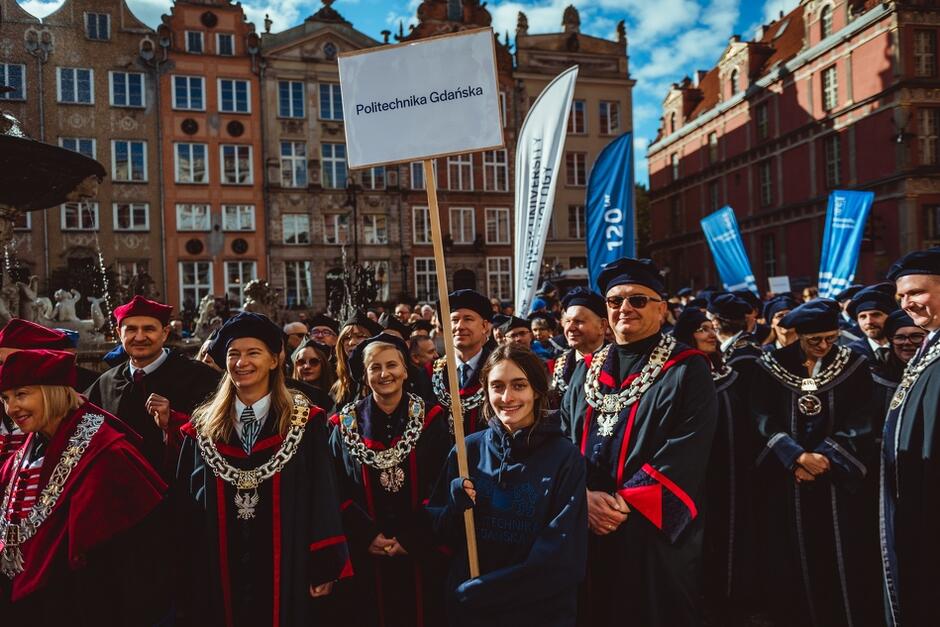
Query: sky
{"type": "Point", "coordinates": [666, 39]}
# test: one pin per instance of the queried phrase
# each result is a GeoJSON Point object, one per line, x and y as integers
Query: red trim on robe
{"type": "Point", "coordinates": [588, 414]}
{"type": "Point", "coordinates": [624, 445]}
{"type": "Point", "coordinates": [223, 551]}
{"type": "Point", "coordinates": [670, 485]}
{"type": "Point", "coordinates": [326, 543]}
{"type": "Point", "coordinates": [276, 542]}
{"type": "Point", "coordinates": [345, 505]}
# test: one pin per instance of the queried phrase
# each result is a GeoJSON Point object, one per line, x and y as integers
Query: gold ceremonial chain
{"type": "Point", "coordinates": [558, 375]}
{"type": "Point", "coordinates": [808, 403]}
{"type": "Point", "coordinates": [14, 535]}
{"type": "Point", "coordinates": [912, 372]}
{"type": "Point", "coordinates": [610, 405]}
{"type": "Point", "coordinates": [247, 481]}
{"type": "Point", "coordinates": [392, 476]}
{"type": "Point", "coordinates": [443, 396]}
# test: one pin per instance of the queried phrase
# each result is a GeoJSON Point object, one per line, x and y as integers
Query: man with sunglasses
{"type": "Point", "coordinates": [812, 405]}
{"type": "Point", "coordinates": [910, 509]}
{"type": "Point", "coordinates": [643, 413]}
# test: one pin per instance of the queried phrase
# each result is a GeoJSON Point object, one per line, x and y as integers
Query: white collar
{"type": "Point", "coordinates": [731, 340]}
{"type": "Point", "coordinates": [875, 345]}
{"type": "Point", "coordinates": [473, 362]}
{"type": "Point", "coordinates": [261, 406]}
{"type": "Point", "coordinates": [153, 365]}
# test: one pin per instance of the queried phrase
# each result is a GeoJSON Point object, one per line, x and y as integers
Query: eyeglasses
{"type": "Point", "coordinates": [914, 338]}
{"type": "Point", "coordinates": [828, 339]}
{"type": "Point", "coordinates": [705, 330]}
{"type": "Point", "coordinates": [637, 301]}
{"type": "Point", "coordinates": [313, 361]}
{"type": "Point", "coordinates": [322, 332]}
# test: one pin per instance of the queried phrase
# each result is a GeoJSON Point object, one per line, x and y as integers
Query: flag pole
{"type": "Point", "coordinates": [452, 383]}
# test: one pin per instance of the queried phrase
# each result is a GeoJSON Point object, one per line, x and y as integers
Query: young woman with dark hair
{"type": "Point", "coordinates": [527, 489]}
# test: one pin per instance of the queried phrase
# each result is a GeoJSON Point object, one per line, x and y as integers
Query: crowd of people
{"type": "Point", "coordinates": [709, 458]}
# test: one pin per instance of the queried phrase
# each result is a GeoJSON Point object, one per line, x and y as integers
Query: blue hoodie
{"type": "Point", "coordinates": [531, 527]}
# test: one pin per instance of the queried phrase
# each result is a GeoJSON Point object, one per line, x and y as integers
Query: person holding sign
{"type": "Point", "coordinates": [643, 414]}
{"type": "Point", "coordinates": [527, 490]}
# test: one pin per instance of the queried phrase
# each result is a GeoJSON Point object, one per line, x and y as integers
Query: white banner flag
{"type": "Point", "coordinates": [538, 157]}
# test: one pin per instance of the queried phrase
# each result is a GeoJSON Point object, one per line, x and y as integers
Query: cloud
{"type": "Point", "coordinates": [772, 9]}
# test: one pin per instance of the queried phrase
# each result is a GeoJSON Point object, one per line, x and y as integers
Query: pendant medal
{"type": "Point", "coordinates": [606, 424]}
{"type": "Point", "coordinates": [809, 404]}
{"type": "Point", "coordinates": [898, 399]}
{"type": "Point", "coordinates": [392, 479]}
{"type": "Point", "coordinates": [11, 557]}
{"type": "Point", "coordinates": [246, 503]}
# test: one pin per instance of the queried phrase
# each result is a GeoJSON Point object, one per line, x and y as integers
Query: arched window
{"type": "Point", "coordinates": [734, 82]}
{"type": "Point", "coordinates": [825, 22]}
{"type": "Point", "coordinates": [672, 122]}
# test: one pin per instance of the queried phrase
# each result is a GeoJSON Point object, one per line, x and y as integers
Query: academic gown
{"type": "Point", "coordinates": [404, 591]}
{"type": "Point", "coordinates": [258, 571]}
{"type": "Point", "coordinates": [819, 558]}
{"type": "Point", "coordinates": [909, 514]}
{"type": "Point", "coordinates": [648, 570]}
{"type": "Point", "coordinates": [531, 527]}
{"type": "Point", "coordinates": [184, 381]}
{"type": "Point", "coordinates": [472, 418]}
{"type": "Point", "coordinates": [99, 558]}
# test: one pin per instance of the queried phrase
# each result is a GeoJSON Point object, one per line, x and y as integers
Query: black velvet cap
{"type": "Point", "coordinates": [849, 292]}
{"type": "Point", "coordinates": [586, 298]}
{"type": "Point", "coordinates": [472, 300]}
{"type": "Point", "coordinates": [422, 325]}
{"type": "Point", "coordinates": [729, 306]}
{"type": "Point", "coordinates": [917, 262]}
{"type": "Point", "coordinates": [750, 298]}
{"type": "Point", "coordinates": [514, 323]}
{"type": "Point", "coordinates": [817, 316]}
{"type": "Point", "coordinates": [777, 304]}
{"type": "Point", "coordinates": [391, 323]}
{"type": "Point", "coordinates": [629, 271]}
{"type": "Point", "coordinates": [322, 320]}
{"type": "Point", "coordinates": [684, 291]}
{"type": "Point", "coordinates": [897, 320]}
{"type": "Point", "coordinates": [361, 319]}
{"type": "Point", "coordinates": [871, 299]}
{"type": "Point", "coordinates": [689, 320]}
{"type": "Point", "coordinates": [246, 324]}
{"type": "Point", "coordinates": [357, 359]}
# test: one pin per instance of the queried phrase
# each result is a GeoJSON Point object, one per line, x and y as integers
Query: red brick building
{"type": "Point", "coordinates": [837, 94]}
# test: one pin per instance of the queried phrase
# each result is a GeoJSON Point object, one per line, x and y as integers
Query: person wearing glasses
{"type": "Point", "coordinates": [812, 405]}
{"type": "Point", "coordinates": [910, 511]}
{"type": "Point", "coordinates": [643, 414]}
{"type": "Point", "coordinates": [324, 330]}
{"type": "Point", "coordinates": [904, 339]}
{"type": "Point", "coordinates": [312, 373]}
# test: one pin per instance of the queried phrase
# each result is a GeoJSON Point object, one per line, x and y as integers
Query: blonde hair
{"type": "Point", "coordinates": [59, 401]}
{"type": "Point", "coordinates": [377, 346]}
{"type": "Point", "coordinates": [344, 385]}
{"type": "Point", "coordinates": [215, 419]}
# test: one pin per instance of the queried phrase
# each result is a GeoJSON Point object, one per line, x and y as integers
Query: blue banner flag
{"type": "Point", "coordinates": [609, 213]}
{"type": "Point", "coordinates": [724, 239]}
{"type": "Point", "coordinates": [845, 224]}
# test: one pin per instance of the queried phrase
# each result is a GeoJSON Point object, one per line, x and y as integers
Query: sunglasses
{"type": "Point", "coordinates": [914, 338]}
{"type": "Point", "coordinates": [637, 301]}
{"type": "Point", "coordinates": [828, 339]}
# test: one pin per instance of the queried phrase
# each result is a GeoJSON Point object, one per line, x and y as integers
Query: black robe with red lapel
{"type": "Point", "coordinates": [398, 591]}
{"type": "Point", "coordinates": [648, 570]}
{"type": "Point", "coordinates": [258, 571]}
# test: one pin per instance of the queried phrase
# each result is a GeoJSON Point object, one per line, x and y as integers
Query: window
{"type": "Point", "coordinates": [297, 289]}
{"type": "Point", "coordinates": [293, 164]}
{"type": "Point", "coordinates": [932, 217]}
{"type": "Point", "coordinates": [674, 166]}
{"type": "Point", "coordinates": [769, 248]}
{"type": "Point", "coordinates": [131, 216]}
{"type": "Point", "coordinates": [237, 274]}
{"type": "Point", "coordinates": [194, 42]}
{"type": "Point", "coordinates": [825, 22]}
{"type": "Point", "coordinates": [336, 228]}
{"type": "Point", "coordinates": [195, 282]}
{"type": "Point", "coordinates": [225, 44]}
{"type": "Point", "coordinates": [375, 228]}
{"type": "Point", "coordinates": [460, 172]}
{"type": "Point", "coordinates": [712, 148]}
{"type": "Point", "coordinates": [236, 164]}
{"type": "Point", "coordinates": [576, 224]}
{"type": "Point", "coordinates": [576, 168]}
{"type": "Point", "coordinates": [331, 102]}
{"type": "Point", "coordinates": [830, 89]}
{"type": "Point", "coordinates": [191, 217]}
{"type": "Point", "coordinates": [238, 217]}
{"type": "Point", "coordinates": [675, 213]}
{"type": "Point", "coordinates": [762, 122]}
{"type": "Point", "coordinates": [925, 53]}
{"type": "Point", "coordinates": [928, 120]}
{"type": "Point", "coordinates": [98, 26]}
{"type": "Point", "coordinates": [76, 85]}
{"type": "Point", "coordinates": [499, 277]}
{"type": "Point", "coordinates": [417, 175]}
{"type": "Point", "coordinates": [23, 221]}
{"type": "Point", "coordinates": [576, 122]}
{"type": "Point", "coordinates": [462, 226]}
{"type": "Point", "coordinates": [127, 270]}
{"type": "Point", "coordinates": [290, 99]}
{"type": "Point", "coordinates": [765, 174]}
{"type": "Point", "coordinates": [577, 262]}
{"type": "Point", "coordinates": [333, 165]}
{"type": "Point", "coordinates": [496, 170]}
{"type": "Point", "coordinates": [735, 86]}
{"type": "Point", "coordinates": [380, 273]}
{"type": "Point", "coordinates": [13, 75]}
{"type": "Point", "coordinates": [189, 93]}
{"type": "Point", "coordinates": [502, 108]}
{"type": "Point", "coordinates": [672, 122]}
{"type": "Point", "coordinates": [81, 145]}
{"type": "Point", "coordinates": [497, 226]}
{"type": "Point", "coordinates": [833, 161]}
{"type": "Point", "coordinates": [421, 223]}
{"type": "Point", "coordinates": [191, 165]}
{"type": "Point", "coordinates": [425, 279]}
{"type": "Point", "coordinates": [373, 178]}
{"type": "Point", "coordinates": [234, 96]}
{"type": "Point", "coordinates": [129, 161]}
{"type": "Point", "coordinates": [127, 89]}
{"type": "Point", "coordinates": [296, 228]}
{"type": "Point", "coordinates": [609, 120]}
{"type": "Point", "coordinates": [714, 195]}
{"type": "Point", "coordinates": [80, 216]}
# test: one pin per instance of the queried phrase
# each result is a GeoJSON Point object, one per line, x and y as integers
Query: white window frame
{"type": "Point", "coordinates": [189, 92]}
{"type": "Point", "coordinates": [250, 178]}
{"type": "Point", "coordinates": [243, 279]}
{"type": "Point", "coordinates": [205, 218]}
{"type": "Point", "coordinates": [498, 277]}
{"type": "Point", "coordinates": [925, 53]}
{"type": "Point", "coordinates": [299, 273]}
{"type": "Point", "coordinates": [370, 181]}
{"type": "Point", "coordinates": [235, 82]}
{"type": "Point", "coordinates": [825, 22]}
{"type": "Point", "coordinates": [417, 166]}
{"type": "Point", "coordinates": [576, 176]}
{"type": "Point", "coordinates": [107, 16]}
{"type": "Point", "coordinates": [291, 113]}
{"type": "Point", "coordinates": [132, 206]}
{"type": "Point", "coordinates": [420, 224]}
{"type": "Point", "coordinates": [202, 41]}
{"type": "Point", "coordinates": [27, 216]}
{"type": "Point", "coordinates": [577, 105]}
{"type": "Point", "coordinates": [607, 128]}
{"type": "Point", "coordinates": [218, 44]}
{"type": "Point", "coordinates": [830, 88]}
{"type": "Point", "coordinates": [177, 178]}
{"type": "Point", "coordinates": [74, 71]}
{"type": "Point", "coordinates": [375, 229]}
{"type": "Point", "coordinates": [296, 224]}
{"type": "Point", "coordinates": [336, 219]}
{"type": "Point", "coordinates": [496, 168]}
{"type": "Point", "coordinates": [201, 290]}
{"type": "Point", "coordinates": [130, 169]}
{"type": "Point", "coordinates": [5, 76]}
{"type": "Point", "coordinates": [462, 216]}
{"type": "Point", "coordinates": [113, 91]}
{"type": "Point", "coordinates": [94, 145]}
{"type": "Point", "coordinates": [425, 274]}
{"type": "Point", "coordinates": [238, 218]}
{"type": "Point", "coordinates": [332, 162]}
{"type": "Point", "coordinates": [580, 222]}
{"type": "Point", "coordinates": [294, 164]}
{"type": "Point", "coordinates": [82, 207]}
{"type": "Point", "coordinates": [459, 163]}
{"type": "Point", "coordinates": [498, 216]}
{"type": "Point", "coordinates": [336, 114]}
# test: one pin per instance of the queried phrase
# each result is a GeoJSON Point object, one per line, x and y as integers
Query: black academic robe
{"type": "Point", "coordinates": [185, 382]}
{"type": "Point", "coordinates": [530, 518]}
{"type": "Point", "coordinates": [258, 571]}
{"type": "Point", "coordinates": [473, 417]}
{"type": "Point", "coordinates": [648, 570]}
{"type": "Point", "coordinates": [742, 356]}
{"type": "Point", "coordinates": [403, 591]}
{"type": "Point", "coordinates": [909, 515]}
{"type": "Point", "coordinates": [819, 553]}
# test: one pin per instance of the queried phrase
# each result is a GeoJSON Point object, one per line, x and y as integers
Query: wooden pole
{"type": "Point", "coordinates": [452, 382]}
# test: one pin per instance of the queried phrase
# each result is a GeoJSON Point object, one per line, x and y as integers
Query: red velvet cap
{"type": "Point", "coordinates": [38, 367]}
{"type": "Point", "coordinates": [19, 333]}
{"type": "Point", "coordinates": [140, 306]}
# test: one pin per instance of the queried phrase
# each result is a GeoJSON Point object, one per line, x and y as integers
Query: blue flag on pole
{"type": "Point", "coordinates": [609, 214]}
{"type": "Point", "coordinates": [724, 239]}
{"type": "Point", "coordinates": [845, 224]}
